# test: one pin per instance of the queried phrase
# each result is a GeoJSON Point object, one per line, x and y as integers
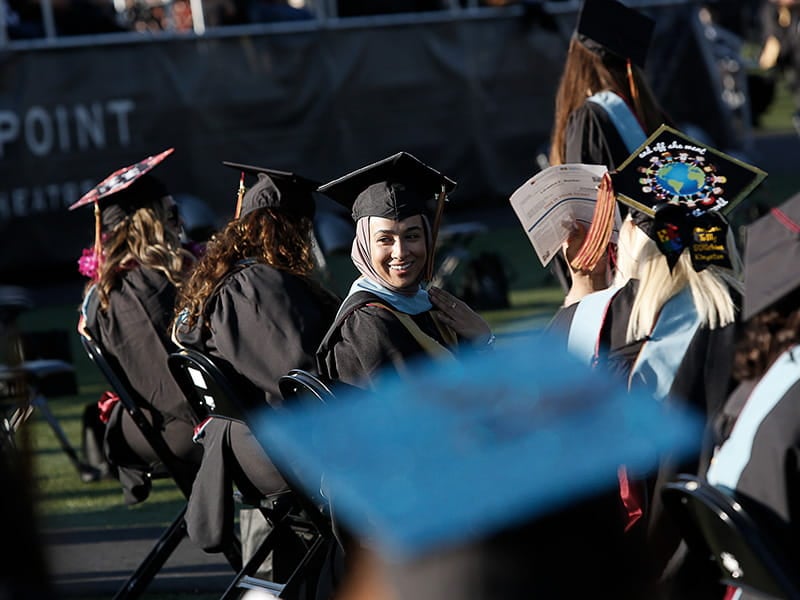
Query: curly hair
{"type": "Point", "coordinates": [586, 73]}
{"type": "Point", "coordinates": [279, 239]}
{"type": "Point", "coordinates": [766, 336]}
{"type": "Point", "coordinates": [141, 239]}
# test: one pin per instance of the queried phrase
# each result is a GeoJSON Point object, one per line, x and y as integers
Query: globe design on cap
{"type": "Point", "coordinates": [683, 178]}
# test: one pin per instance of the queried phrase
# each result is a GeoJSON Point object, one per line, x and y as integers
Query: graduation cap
{"type": "Point", "coordinates": [680, 189]}
{"type": "Point", "coordinates": [282, 190]}
{"type": "Point", "coordinates": [609, 26]}
{"type": "Point", "coordinates": [118, 196]}
{"type": "Point", "coordinates": [121, 180]}
{"type": "Point", "coordinates": [449, 454]}
{"type": "Point", "coordinates": [396, 187]}
{"type": "Point", "coordinates": [772, 257]}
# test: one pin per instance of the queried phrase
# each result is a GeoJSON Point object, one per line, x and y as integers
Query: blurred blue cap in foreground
{"type": "Point", "coordinates": [459, 451]}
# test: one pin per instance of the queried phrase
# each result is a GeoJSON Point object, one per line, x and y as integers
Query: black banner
{"type": "Point", "coordinates": [474, 98]}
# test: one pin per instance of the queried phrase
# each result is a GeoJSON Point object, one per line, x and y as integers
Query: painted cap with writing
{"type": "Point", "coordinates": [680, 191]}
{"type": "Point", "coordinates": [396, 187]}
{"type": "Point", "coordinates": [124, 191]}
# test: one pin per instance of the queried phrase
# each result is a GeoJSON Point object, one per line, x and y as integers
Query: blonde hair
{"type": "Point", "coordinates": [142, 239]}
{"type": "Point", "coordinates": [638, 257]}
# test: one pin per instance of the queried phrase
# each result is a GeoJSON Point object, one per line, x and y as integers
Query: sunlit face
{"type": "Point", "coordinates": [398, 250]}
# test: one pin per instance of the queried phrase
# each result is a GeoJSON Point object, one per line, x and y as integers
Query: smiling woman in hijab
{"type": "Point", "coordinates": [388, 318]}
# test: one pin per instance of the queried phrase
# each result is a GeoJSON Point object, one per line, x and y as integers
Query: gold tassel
{"type": "Point", "coordinates": [437, 220]}
{"type": "Point", "coordinates": [632, 86]}
{"type": "Point", "coordinates": [239, 196]}
{"type": "Point", "coordinates": [599, 234]}
{"type": "Point", "coordinates": [98, 233]}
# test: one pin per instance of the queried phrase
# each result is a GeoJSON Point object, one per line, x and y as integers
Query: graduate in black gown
{"type": "Point", "coordinates": [669, 322]}
{"type": "Point", "coordinates": [760, 459]}
{"type": "Point", "coordinates": [136, 267]}
{"type": "Point", "coordinates": [604, 106]}
{"type": "Point", "coordinates": [388, 318]}
{"type": "Point", "coordinates": [252, 302]}
{"type": "Point", "coordinates": [252, 305]}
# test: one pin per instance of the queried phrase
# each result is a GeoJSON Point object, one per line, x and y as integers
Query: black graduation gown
{"type": "Point", "coordinates": [259, 323]}
{"type": "Point", "coordinates": [771, 476]}
{"type": "Point", "coordinates": [368, 340]}
{"type": "Point", "coordinates": [263, 322]}
{"type": "Point", "coordinates": [703, 381]}
{"type": "Point", "coordinates": [592, 138]}
{"type": "Point", "coordinates": [135, 332]}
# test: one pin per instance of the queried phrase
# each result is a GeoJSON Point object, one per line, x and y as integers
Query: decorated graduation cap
{"type": "Point", "coordinates": [681, 190]}
{"type": "Point", "coordinates": [607, 26]}
{"type": "Point", "coordinates": [281, 190]}
{"type": "Point", "coordinates": [117, 197]}
{"type": "Point", "coordinates": [772, 257]}
{"type": "Point", "coordinates": [396, 187]}
{"type": "Point", "coordinates": [450, 454]}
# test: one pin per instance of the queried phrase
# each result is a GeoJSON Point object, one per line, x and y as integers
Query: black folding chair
{"type": "Point", "coordinates": [211, 391]}
{"type": "Point", "coordinates": [176, 531]}
{"type": "Point", "coordinates": [744, 543]}
{"type": "Point", "coordinates": [299, 384]}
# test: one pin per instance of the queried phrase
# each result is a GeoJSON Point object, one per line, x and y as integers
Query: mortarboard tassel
{"type": "Point", "coordinates": [599, 234]}
{"type": "Point", "coordinates": [239, 196]}
{"type": "Point", "coordinates": [437, 220]}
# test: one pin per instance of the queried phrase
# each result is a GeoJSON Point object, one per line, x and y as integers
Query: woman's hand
{"type": "Point", "coordinates": [458, 315]}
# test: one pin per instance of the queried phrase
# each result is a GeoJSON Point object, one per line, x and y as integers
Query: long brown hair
{"type": "Point", "coordinates": [766, 336]}
{"type": "Point", "coordinates": [586, 73]}
{"type": "Point", "coordinates": [279, 239]}
{"type": "Point", "coordinates": [141, 239]}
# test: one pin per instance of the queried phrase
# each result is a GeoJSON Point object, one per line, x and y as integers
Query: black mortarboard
{"type": "Point", "coordinates": [398, 476]}
{"type": "Point", "coordinates": [282, 190]}
{"type": "Point", "coordinates": [680, 189]}
{"type": "Point", "coordinates": [609, 26]}
{"type": "Point", "coordinates": [670, 167]}
{"type": "Point", "coordinates": [396, 187]}
{"type": "Point", "coordinates": [772, 257]}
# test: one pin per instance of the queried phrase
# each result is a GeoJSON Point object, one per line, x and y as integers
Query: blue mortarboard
{"type": "Point", "coordinates": [454, 453]}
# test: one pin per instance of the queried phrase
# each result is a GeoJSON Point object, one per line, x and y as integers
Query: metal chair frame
{"type": "Point", "coordinates": [138, 581]}
{"type": "Point", "coordinates": [210, 391]}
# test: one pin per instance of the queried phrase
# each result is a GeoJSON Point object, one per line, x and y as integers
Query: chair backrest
{"type": "Point", "coordinates": [207, 388]}
{"type": "Point", "coordinates": [299, 384]}
{"type": "Point", "coordinates": [121, 386]}
{"type": "Point", "coordinates": [747, 549]}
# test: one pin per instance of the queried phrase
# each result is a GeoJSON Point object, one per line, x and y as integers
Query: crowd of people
{"type": "Point", "coordinates": [24, 18]}
{"type": "Point", "coordinates": [718, 336]}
